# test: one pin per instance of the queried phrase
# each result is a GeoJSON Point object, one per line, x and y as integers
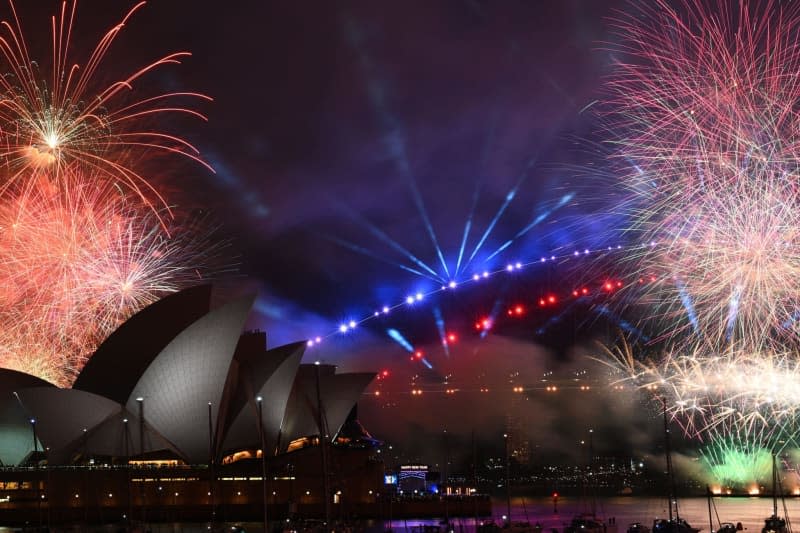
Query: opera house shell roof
{"type": "Point", "coordinates": [177, 377]}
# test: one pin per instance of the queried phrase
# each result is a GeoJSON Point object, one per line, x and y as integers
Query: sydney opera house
{"type": "Point", "coordinates": [180, 414]}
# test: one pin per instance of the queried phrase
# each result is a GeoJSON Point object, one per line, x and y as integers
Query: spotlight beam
{"type": "Point", "coordinates": [506, 202]}
{"type": "Point", "coordinates": [368, 253]}
{"type": "Point", "coordinates": [539, 219]}
{"type": "Point", "coordinates": [385, 238]}
{"type": "Point", "coordinates": [440, 326]}
{"type": "Point", "coordinates": [393, 137]}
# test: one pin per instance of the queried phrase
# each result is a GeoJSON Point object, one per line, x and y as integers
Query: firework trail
{"type": "Point", "coordinates": [746, 400]}
{"type": "Point", "coordinates": [703, 114]}
{"type": "Point", "coordinates": [737, 462]}
{"type": "Point", "coordinates": [739, 405]}
{"type": "Point", "coordinates": [86, 239]}
{"type": "Point", "coordinates": [67, 117]}
{"type": "Point", "coordinates": [705, 105]}
{"type": "Point", "coordinates": [78, 260]}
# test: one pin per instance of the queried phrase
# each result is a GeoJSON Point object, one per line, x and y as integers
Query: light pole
{"type": "Point", "coordinates": [36, 465]}
{"type": "Point", "coordinates": [86, 471]}
{"type": "Point", "coordinates": [128, 469]}
{"type": "Point", "coordinates": [292, 507]}
{"type": "Point", "coordinates": [211, 463]}
{"type": "Point", "coordinates": [508, 481]}
{"type": "Point", "coordinates": [445, 487]}
{"type": "Point", "coordinates": [259, 403]}
{"type": "Point", "coordinates": [322, 425]}
{"type": "Point", "coordinates": [590, 474]}
{"type": "Point", "coordinates": [35, 452]}
{"type": "Point", "coordinates": [670, 473]}
{"type": "Point", "coordinates": [140, 401]}
{"type": "Point", "coordinates": [35, 440]}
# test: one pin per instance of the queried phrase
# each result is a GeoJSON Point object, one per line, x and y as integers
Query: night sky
{"type": "Point", "coordinates": [338, 128]}
{"type": "Point", "coordinates": [335, 126]}
{"type": "Point", "coordinates": [347, 136]}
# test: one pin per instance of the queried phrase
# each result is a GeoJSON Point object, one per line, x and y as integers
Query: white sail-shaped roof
{"type": "Point", "coordinates": [268, 375]}
{"type": "Point", "coordinates": [337, 395]}
{"type": "Point", "coordinates": [16, 434]}
{"type": "Point", "coordinates": [189, 374]}
{"type": "Point", "coordinates": [118, 363]}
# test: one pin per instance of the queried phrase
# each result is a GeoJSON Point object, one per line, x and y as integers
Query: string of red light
{"type": "Point", "coordinates": [412, 300]}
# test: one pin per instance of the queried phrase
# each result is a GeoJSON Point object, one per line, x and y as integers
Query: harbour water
{"type": "Point", "coordinates": [750, 511]}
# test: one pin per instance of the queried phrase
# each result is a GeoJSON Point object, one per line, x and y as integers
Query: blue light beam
{"type": "Point", "coordinates": [509, 198]}
{"type": "Point", "coordinates": [622, 323]}
{"type": "Point", "coordinates": [393, 137]}
{"type": "Point", "coordinates": [539, 219]}
{"type": "Point", "coordinates": [733, 312]}
{"type": "Point", "coordinates": [364, 251]}
{"type": "Point", "coordinates": [686, 300]}
{"type": "Point", "coordinates": [383, 236]}
{"type": "Point", "coordinates": [476, 193]}
{"type": "Point", "coordinates": [437, 315]}
{"type": "Point", "coordinates": [399, 339]}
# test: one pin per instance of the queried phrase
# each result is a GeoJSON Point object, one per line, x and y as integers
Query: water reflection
{"type": "Point", "coordinates": [750, 511]}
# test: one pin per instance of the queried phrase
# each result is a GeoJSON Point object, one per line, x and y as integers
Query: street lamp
{"type": "Point", "coordinates": [128, 468]}
{"type": "Point", "coordinates": [260, 404]}
{"type": "Point", "coordinates": [211, 463]}
{"type": "Point", "coordinates": [140, 401]}
{"type": "Point", "coordinates": [508, 480]}
{"type": "Point", "coordinates": [35, 440]}
{"type": "Point", "coordinates": [36, 464]}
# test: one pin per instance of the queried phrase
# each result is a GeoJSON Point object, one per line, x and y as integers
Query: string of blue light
{"type": "Point", "coordinates": [412, 299]}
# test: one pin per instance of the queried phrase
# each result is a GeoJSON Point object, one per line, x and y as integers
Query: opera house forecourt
{"type": "Point", "coordinates": [169, 419]}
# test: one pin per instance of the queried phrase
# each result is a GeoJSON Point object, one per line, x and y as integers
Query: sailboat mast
{"type": "Point", "coordinates": [591, 474]}
{"type": "Point", "coordinates": [475, 478]}
{"type": "Point", "coordinates": [774, 486]}
{"type": "Point", "coordinates": [670, 473]}
{"type": "Point", "coordinates": [508, 481]}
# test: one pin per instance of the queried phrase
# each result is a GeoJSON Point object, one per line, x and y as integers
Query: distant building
{"type": "Point", "coordinates": [517, 423]}
{"type": "Point", "coordinates": [416, 479]}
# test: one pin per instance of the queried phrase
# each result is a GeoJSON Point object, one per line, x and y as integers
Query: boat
{"type": "Point", "coordinates": [638, 527]}
{"type": "Point", "coordinates": [673, 523]}
{"type": "Point", "coordinates": [774, 523]}
{"type": "Point", "coordinates": [724, 527]}
{"type": "Point", "coordinates": [586, 523]}
{"type": "Point", "coordinates": [488, 526]}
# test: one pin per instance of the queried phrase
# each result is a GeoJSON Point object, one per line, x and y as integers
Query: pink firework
{"type": "Point", "coordinates": [75, 262]}
{"type": "Point", "coordinates": [704, 112]}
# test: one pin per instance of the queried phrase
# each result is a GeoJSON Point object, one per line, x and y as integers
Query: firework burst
{"type": "Point", "coordinates": [705, 116]}
{"type": "Point", "coordinates": [86, 238]}
{"type": "Point", "coordinates": [703, 110]}
{"type": "Point", "coordinates": [736, 462]}
{"type": "Point", "coordinates": [744, 399]}
{"type": "Point", "coordinates": [69, 118]}
{"type": "Point", "coordinates": [76, 262]}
